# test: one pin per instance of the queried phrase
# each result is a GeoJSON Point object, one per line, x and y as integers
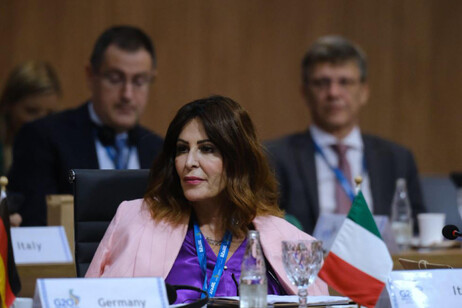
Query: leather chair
{"type": "Point", "coordinates": [97, 194]}
{"type": "Point", "coordinates": [440, 196]}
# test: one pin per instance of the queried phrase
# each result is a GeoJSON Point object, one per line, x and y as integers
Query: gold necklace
{"type": "Point", "coordinates": [213, 242]}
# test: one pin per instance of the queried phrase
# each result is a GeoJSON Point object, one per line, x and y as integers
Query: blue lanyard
{"type": "Point", "coordinates": [346, 185]}
{"type": "Point", "coordinates": [221, 260]}
{"type": "Point", "coordinates": [112, 153]}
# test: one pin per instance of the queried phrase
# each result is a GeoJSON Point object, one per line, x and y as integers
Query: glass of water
{"type": "Point", "coordinates": [302, 261]}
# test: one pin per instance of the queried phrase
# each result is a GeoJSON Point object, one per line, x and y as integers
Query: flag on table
{"type": "Point", "coordinates": [9, 279]}
{"type": "Point", "coordinates": [358, 263]}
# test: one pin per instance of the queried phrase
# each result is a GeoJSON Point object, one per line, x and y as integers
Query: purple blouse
{"type": "Point", "coordinates": [186, 271]}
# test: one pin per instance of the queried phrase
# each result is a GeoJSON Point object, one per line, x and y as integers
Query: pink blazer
{"type": "Point", "coordinates": [134, 245]}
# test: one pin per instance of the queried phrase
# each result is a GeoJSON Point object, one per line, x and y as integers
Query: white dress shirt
{"type": "Point", "coordinates": [104, 160]}
{"type": "Point", "coordinates": [326, 177]}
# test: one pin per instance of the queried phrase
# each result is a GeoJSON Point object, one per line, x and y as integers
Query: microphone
{"type": "Point", "coordinates": [171, 293]}
{"type": "Point", "coordinates": [451, 232]}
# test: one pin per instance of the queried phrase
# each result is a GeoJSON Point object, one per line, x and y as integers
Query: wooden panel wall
{"type": "Point", "coordinates": [251, 51]}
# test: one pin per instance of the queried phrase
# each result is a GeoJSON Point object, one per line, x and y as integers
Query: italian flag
{"type": "Point", "coordinates": [358, 263]}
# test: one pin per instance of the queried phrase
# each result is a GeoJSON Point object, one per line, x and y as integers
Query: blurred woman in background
{"type": "Point", "coordinates": [32, 91]}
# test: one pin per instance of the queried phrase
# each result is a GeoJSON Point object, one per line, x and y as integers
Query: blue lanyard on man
{"type": "Point", "coordinates": [221, 260]}
{"type": "Point", "coordinates": [340, 177]}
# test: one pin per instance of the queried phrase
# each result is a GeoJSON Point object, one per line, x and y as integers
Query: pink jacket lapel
{"type": "Point", "coordinates": [159, 247]}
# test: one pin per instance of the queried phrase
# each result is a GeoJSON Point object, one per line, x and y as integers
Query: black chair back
{"type": "Point", "coordinates": [97, 194]}
{"type": "Point", "coordinates": [440, 196]}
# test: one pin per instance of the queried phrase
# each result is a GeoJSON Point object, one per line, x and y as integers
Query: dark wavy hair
{"type": "Point", "coordinates": [251, 188]}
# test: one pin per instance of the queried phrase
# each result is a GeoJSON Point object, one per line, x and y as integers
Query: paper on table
{"type": "Point", "coordinates": [287, 299]}
{"type": "Point", "coordinates": [319, 300]}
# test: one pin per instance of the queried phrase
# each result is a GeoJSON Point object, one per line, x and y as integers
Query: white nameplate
{"type": "Point", "coordinates": [101, 292]}
{"type": "Point", "coordinates": [328, 225]}
{"type": "Point", "coordinates": [425, 288]}
{"type": "Point", "coordinates": [39, 245]}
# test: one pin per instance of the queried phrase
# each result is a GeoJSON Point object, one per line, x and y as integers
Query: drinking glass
{"type": "Point", "coordinates": [302, 261]}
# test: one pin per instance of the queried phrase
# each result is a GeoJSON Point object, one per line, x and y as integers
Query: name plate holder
{"type": "Point", "coordinates": [40, 252]}
{"type": "Point", "coordinates": [425, 288]}
{"type": "Point", "coordinates": [140, 292]}
{"type": "Point", "coordinates": [35, 245]}
{"type": "Point", "coordinates": [60, 212]}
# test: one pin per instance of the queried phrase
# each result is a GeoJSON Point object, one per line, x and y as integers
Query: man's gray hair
{"type": "Point", "coordinates": [333, 49]}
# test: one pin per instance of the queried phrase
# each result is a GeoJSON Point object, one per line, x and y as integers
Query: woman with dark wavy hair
{"type": "Point", "coordinates": [212, 179]}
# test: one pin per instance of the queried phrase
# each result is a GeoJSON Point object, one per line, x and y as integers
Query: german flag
{"type": "Point", "coordinates": [9, 279]}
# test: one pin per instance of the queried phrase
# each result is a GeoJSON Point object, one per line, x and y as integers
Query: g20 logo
{"type": "Point", "coordinates": [405, 294]}
{"type": "Point", "coordinates": [72, 301]}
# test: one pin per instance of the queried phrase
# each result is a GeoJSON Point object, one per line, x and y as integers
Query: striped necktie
{"type": "Point", "coordinates": [341, 197]}
{"type": "Point", "coordinates": [122, 152]}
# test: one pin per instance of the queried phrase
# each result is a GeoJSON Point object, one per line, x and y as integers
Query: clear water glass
{"type": "Point", "coordinates": [302, 261]}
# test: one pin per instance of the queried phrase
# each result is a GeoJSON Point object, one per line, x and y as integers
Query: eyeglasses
{"type": "Point", "coordinates": [117, 79]}
{"type": "Point", "coordinates": [325, 83]}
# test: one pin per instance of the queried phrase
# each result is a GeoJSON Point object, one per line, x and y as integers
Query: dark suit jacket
{"type": "Point", "coordinates": [45, 150]}
{"type": "Point", "coordinates": [293, 159]}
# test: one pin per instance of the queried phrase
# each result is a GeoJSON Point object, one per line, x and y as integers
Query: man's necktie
{"type": "Point", "coordinates": [341, 197]}
{"type": "Point", "coordinates": [122, 152]}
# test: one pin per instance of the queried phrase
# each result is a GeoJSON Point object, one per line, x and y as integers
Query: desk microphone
{"type": "Point", "coordinates": [171, 293]}
{"type": "Point", "coordinates": [451, 232]}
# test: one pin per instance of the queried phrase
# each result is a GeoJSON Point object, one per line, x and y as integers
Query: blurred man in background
{"type": "Point", "coordinates": [103, 133]}
{"type": "Point", "coordinates": [316, 168]}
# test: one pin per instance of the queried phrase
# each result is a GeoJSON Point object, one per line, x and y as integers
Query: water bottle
{"type": "Point", "coordinates": [401, 216]}
{"type": "Point", "coordinates": [253, 286]}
